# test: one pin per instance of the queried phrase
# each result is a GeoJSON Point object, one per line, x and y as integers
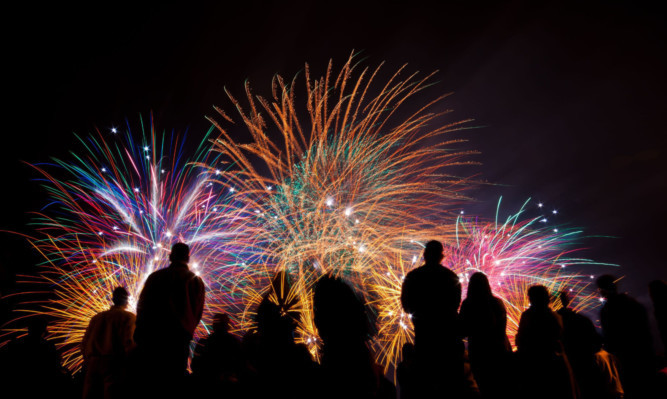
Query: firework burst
{"type": "Point", "coordinates": [343, 180]}
{"type": "Point", "coordinates": [115, 213]}
{"type": "Point", "coordinates": [514, 254]}
{"type": "Point", "coordinates": [521, 252]}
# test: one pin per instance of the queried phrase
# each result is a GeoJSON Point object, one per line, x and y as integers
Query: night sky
{"type": "Point", "coordinates": [568, 100]}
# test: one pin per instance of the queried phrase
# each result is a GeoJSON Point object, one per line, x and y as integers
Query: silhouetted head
{"type": "Point", "coordinates": [538, 295]}
{"type": "Point", "coordinates": [340, 316]}
{"type": "Point", "coordinates": [274, 325]}
{"type": "Point", "coordinates": [479, 287]}
{"type": "Point", "coordinates": [120, 296]}
{"type": "Point", "coordinates": [564, 298]}
{"type": "Point", "coordinates": [606, 285]}
{"type": "Point", "coordinates": [221, 322]}
{"type": "Point", "coordinates": [433, 252]}
{"type": "Point", "coordinates": [37, 327]}
{"type": "Point", "coordinates": [180, 253]}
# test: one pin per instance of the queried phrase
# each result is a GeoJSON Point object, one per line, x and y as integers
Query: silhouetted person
{"type": "Point", "coordinates": [484, 322]}
{"type": "Point", "coordinates": [170, 307]}
{"type": "Point", "coordinates": [431, 294]}
{"type": "Point", "coordinates": [581, 343]}
{"type": "Point", "coordinates": [105, 347]}
{"type": "Point", "coordinates": [218, 359]}
{"type": "Point", "coordinates": [626, 334]}
{"type": "Point", "coordinates": [282, 367]}
{"type": "Point", "coordinates": [544, 370]}
{"type": "Point", "coordinates": [347, 366]}
{"type": "Point", "coordinates": [31, 365]}
{"type": "Point", "coordinates": [657, 289]}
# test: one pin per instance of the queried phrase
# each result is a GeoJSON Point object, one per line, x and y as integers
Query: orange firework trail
{"type": "Point", "coordinates": [347, 184]}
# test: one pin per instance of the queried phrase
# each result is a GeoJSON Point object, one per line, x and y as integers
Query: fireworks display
{"type": "Point", "coordinates": [356, 191]}
{"type": "Point", "coordinates": [520, 252]}
{"type": "Point", "coordinates": [514, 254]}
{"type": "Point", "coordinates": [351, 177]}
{"type": "Point", "coordinates": [353, 188]}
{"type": "Point", "coordinates": [115, 213]}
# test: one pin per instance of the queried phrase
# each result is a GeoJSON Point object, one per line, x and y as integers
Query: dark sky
{"type": "Point", "coordinates": [569, 97]}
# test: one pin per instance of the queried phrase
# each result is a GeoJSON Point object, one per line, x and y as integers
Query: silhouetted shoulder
{"type": "Point", "coordinates": [96, 319]}
{"type": "Point", "coordinates": [498, 302]}
{"type": "Point", "coordinates": [427, 271]}
{"type": "Point", "coordinates": [428, 275]}
{"type": "Point", "coordinates": [197, 280]}
{"type": "Point", "coordinates": [154, 277]}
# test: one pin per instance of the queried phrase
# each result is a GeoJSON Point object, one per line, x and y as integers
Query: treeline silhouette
{"type": "Point", "coordinates": [559, 354]}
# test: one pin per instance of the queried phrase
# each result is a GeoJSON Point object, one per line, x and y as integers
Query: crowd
{"type": "Point", "coordinates": [560, 354]}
